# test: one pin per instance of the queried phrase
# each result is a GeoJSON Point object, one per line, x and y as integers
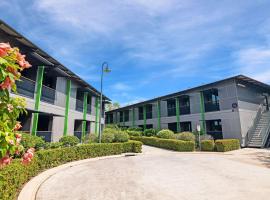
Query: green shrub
{"type": "Point", "coordinates": [149, 132]}
{"type": "Point", "coordinates": [107, 137]}
{"type": "Point", "coordinates": [134, 133]}
{"type": "Point", "coordinates": [53, 145]}
{"type": "Point", "coordinates": [186, 136]}
{"type": "Point", "coordinates": [15, 175]}
{"type": "Point", "coordinates": [91, 138]}
{"type": "Point", "coordinates": [69, 140]}
{"type": "Point", "coordinates": [121, 136]}
{"type": "Point", "coordinates": [207, 145]}
{"type": "Point", "coordinates": [111, 126]}
{"type": "Point", "coordinates": [29, 141]}
{"type": "Point", "coordinates": [227, 145]}
{"type": "Point", "coordinates": [176, 145]}
{"type": "Point", "coordinates": [165, 134]}
{"type": "Point", "coordinates": [135, 129]}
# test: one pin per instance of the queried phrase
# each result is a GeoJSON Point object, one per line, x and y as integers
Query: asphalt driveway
{"type": "Point", "coordinates": [163, 175]}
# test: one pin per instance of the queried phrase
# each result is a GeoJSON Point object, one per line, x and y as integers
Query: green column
{"type": "Point", "coordinates": [144, 116]}
{"type": "Point", "coordinates": [158, 115]}
{"type": "Point", "coordinates": [202, 109]}
{"type": "Point", "coordinates": [177, 114]}
{"type": "Point", "coordinates": [133, 117]}
{"type": "Point", "coordinates": [68, 90]}
{"type": "Point", "coordinates": [39, 81]}
{"type": "Point", "coordinates": [97, 115]}
{"type": "Point", "coordinates": [85, 96]}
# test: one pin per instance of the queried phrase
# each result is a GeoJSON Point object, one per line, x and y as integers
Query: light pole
{"type": "Point", "coordinates": [106, 70]}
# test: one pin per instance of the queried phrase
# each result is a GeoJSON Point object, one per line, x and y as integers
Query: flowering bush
{"type": "Point", "coordinates": [12, 62]}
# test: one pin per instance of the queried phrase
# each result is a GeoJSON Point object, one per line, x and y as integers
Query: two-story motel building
{"type": "Point", "coordinates": [58, 101]}
{"type": "Point", "coordinates": [235, 107]}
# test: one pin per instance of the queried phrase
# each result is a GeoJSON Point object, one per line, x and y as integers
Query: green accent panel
{"type": "Point", "coordinates": [158, 115]}
{"type": "Point", "coordinates": [85, 96]}
{"type": "Point", "coordinates": [68, 90]}
{"type": "Point", "coordinates": [133, 117]}
{"type": "Point", "coordinates": [202, 109]}
{"type": "Point", "coordinates": [144, 116]}
{"type": "Point", "coordinates": [97, 115]}
{"type": "Point", "coordinates": [39, 81]}
{"type": "Point", "coordinates": [177, 114]}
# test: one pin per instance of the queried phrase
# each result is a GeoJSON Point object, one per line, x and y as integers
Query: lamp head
{"type": "Point", "coordinates": [107, 69]}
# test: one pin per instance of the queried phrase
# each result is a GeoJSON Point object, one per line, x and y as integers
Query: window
{"type": "Point", "coordinates": [148, 109]}
{"type": "Point", "coordinates": [185, 126]}
{"type": "Point", "coordinates": [211, 100]}
{"type": "Point", "coordinates": [214, 128]}
{"type": "Point", "coordinates": [171, 106]}
{"type": "Point", "coordinates": [121, 116]}
{"type": "Point", "coordinates": [141, 113]}
{"type": "Point", "coordinates": [172, 126]}
{"type": "Point", "coordinates": [184, 105]}
{"type": "Point", "coordinates": [126, 112]}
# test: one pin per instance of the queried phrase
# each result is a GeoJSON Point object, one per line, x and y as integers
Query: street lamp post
{"type": "Point", "coordinates": [104, 68]}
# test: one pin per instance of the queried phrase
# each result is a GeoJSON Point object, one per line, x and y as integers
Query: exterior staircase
{"type": "Point", "coordinates": [258, 135]}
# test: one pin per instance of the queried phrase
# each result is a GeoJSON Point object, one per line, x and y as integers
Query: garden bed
{"type": "Point", "coordinates": [13, 176]}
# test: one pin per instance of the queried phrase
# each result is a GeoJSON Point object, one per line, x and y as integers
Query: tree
{"type": "Point", "coordinates": [112, 106]}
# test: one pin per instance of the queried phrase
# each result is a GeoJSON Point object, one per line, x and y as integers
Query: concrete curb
{"type": "Point", "coordinates": [31, 188]}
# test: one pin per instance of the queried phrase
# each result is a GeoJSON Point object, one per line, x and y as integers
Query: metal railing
{"type": "Point", "coordinates": [48, 94]}
{"type": "Point", "coordinates": [79, 105]}
{"type": "Point", "coordinates": [210, 106]}
{"type": "Point", "coordinates": [46, 135]}
{"type": "Point", "coordinates": [256, 119]}
{"type": "Point", "coordinates": [26, 87]}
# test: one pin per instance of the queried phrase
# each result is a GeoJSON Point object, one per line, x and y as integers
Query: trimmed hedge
{"type": "Point", "coordinates": [207, 145]}
{"type": "Point", "coordinates": [69, 140]}
{"type": "Point", "coordinates": [176, 145]}
{"type": "Point", "coordinates": [13, 176]}
{"type": "Point", "coordinates": [227, 145]}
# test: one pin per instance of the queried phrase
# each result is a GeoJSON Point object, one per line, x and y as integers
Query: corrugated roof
{"type": "Point", "coordinates": [46, 58]}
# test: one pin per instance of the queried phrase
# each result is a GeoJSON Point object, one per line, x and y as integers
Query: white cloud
{"type": "Point", "coordinates": [121, 87]}
{"type": "Point", "coordinates": [254, 62]}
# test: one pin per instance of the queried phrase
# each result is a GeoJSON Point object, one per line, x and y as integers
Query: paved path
{"type": "Point", "coordinates": [162, 175]}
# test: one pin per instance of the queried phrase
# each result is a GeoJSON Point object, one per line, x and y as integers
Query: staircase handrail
{"type": "Point", "coordinates": [267, 131]}
{"type": "Point", "coordinates": [255, 122]}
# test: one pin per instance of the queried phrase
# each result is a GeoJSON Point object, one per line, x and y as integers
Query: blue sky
{"type": "Point", "coordinates": [154, 47]}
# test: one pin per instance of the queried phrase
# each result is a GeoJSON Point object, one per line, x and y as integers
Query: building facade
{"type": "Point", "coordinates": [58, 101]}
{"type": "Point", "coordinates": [236, 107]}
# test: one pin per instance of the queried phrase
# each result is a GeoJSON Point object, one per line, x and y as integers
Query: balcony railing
{"type": "Point", "coordinates": [48, 94]}
{"type": "Point", "coordinates": [79, 105]}
{"type": "Point", "coordinates": [46, 135]}
{"type": "Point", "coordinates": [184, 110]}
{"type": "Point", "coordinates": [26, 87]}
{"type": "Point", "coordinates": [171, 111]}
{"type": "Point", "coordinates": [211, 106]}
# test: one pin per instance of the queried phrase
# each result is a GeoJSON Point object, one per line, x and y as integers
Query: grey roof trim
{"type": "Point", "coordinates": [246, 79]}
{"type": "Point", "coordinates": [44, 56]}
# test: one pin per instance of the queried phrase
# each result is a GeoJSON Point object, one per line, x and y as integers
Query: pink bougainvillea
{"type": "Point", "coordinates": [12, 62]}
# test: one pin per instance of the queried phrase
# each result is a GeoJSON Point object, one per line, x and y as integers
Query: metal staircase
{"type": "Point", "coordinates": [258, 134]}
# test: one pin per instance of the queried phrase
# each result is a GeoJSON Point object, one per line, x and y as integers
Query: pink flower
{"type": "Point", "coordinates": [22, 62]}
{"type": "Point", "coordinates": [6, 84]}
{"type": "Point", "coordinates": [5, 160]}
{"type": "Point", "coordinates": [4, 48]}
{"type": "Point", "coordinates": [10, 108]}
{"type": "Point", "coordinates": [17, 127]}
{"type": "Point", "coordinates": [28, 156]}
{"type": "Point", "coordinates": [11, 142]}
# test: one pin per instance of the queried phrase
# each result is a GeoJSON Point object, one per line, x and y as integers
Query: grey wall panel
{"type": "Point", "coordinates": [60, 96]}
{"type": "Point", "coordinates": [73, 94]}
